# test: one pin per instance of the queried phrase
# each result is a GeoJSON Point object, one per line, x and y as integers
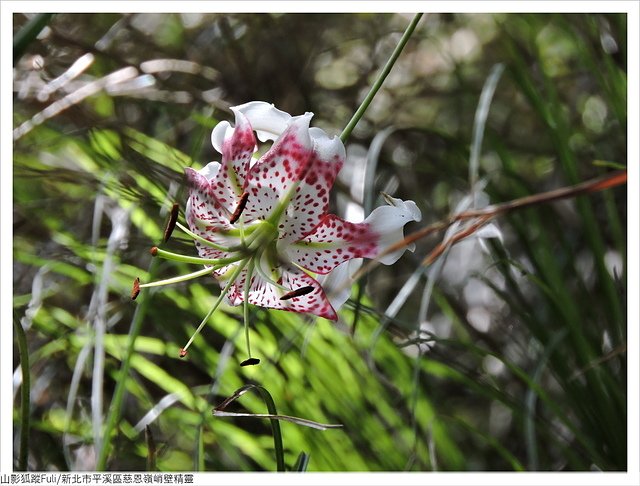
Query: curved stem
{"type": "Point", "coordinates": [273, 412]}
{"type": "Point", "coordinates": [381, 77]}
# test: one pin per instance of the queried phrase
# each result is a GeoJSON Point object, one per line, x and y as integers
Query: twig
{"type": "Point", "coordinates": [489, 212]}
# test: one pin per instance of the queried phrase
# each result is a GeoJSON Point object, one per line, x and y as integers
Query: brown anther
{"type": "Point", "coordinates": [297, 292]}
{"type": "Point", "coordinates": [171, 223]}
{"type": "Point", "coordinates": [183, 352]}
{"type": "Point", "coordinates": [136, 289]}
{"type": "Point", "coordinates": [243, 202]}
{"type": "Point", "coordinates": [250, 362]}
{"type": "Point", "coordinates": [154, 251]}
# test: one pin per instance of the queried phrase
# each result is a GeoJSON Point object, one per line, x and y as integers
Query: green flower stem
{"type": "Point", "coordinates": [381, 77]}
{"type": "Point", "coordinates": [217, 303]}
{"type": "Point", "coordinates": [275, 427]}
{"type": "Point", "coordinates": [273, 412]}
{"type": "Point", "coordinates": [25, 394]}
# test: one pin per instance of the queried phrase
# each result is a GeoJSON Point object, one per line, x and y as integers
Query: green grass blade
{"type": "Point", "coordinates": [115, 407]}
{"type": "Point", "coordinates": [28, 33]}
{"type": "Point", "coordinates": [302, 462]}
{"type": "Point", "coordinates": [25, 394]}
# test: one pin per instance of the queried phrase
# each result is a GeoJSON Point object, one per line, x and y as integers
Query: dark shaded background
{"type": "Point", "coordinates": [522, 352]}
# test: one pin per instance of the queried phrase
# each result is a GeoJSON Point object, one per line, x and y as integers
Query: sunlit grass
{"type": "Point", "coordinates": [426, 387]}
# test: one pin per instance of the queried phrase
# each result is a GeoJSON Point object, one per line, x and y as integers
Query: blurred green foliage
{"type": "Point", "coordinates": [520, 362]}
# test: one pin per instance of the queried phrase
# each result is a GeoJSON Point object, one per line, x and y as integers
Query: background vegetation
{"type": "Point", "coordinates": [507, 357]}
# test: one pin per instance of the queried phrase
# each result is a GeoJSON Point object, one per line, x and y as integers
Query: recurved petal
{"type": "Point", "coordinates": [388, 223]}
{"type": "Point", "coordinates": [202, 205]}
{"type": "Point", "coordinates": [268, 122]}
{"type": "Point", "coordinates": [236, 155]}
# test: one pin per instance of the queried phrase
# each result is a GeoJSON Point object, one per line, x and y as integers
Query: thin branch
{"type": "Point", "coordinates": [487, 213]}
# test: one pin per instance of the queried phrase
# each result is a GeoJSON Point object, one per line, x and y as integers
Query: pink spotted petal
{"type": "Point", "coordinates": [280, 168]}
{"type": "Point", "coordinates": [332, 242]}
{"type": "Point", "coordinates": [205, 215]}
{"type": "Point", "coordinates": [265, 294]}
{"type": "Point", "coordinates": [204, 211]}
{"type": "Point", "coordinates": [229, 182]}
{"type": "Point", "coordinates": [311, 200]}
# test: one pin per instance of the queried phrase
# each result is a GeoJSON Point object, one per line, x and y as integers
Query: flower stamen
{"type": "Point", "coordinates": [297, 292]}
{"type": "Point", "coordinates": [247, 288]}
{"type": "Point", "coordinates": [200, 239]}
{"type": "Point", "coordinates": [232, 279]}
{"type": "Point", "coordinates": [136, 289]}
{"type": "Point", "coordinates": [250, 362]}
{"type": "Point", "coordinates": [241, 205]}
{"type": "Point", "coordinates": [171, 223]}
{"type": "Point", "coordinates": [169, 281]}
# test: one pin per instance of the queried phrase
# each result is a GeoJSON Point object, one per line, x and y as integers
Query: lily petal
{"type": "Point", "coordinates": [268, 122]}
{"type": "Point", "coordinates": [205, 215]}
{"type": "Point", "coordinates": [286, 162]}
{"type": "Point", "coordinates": [265, 294]}
{"type": "Point", "coordinates": [337, 284]}
{"type": "Point", "coordinates": [388, 222]}
{"type": "Point", "coordinates": [332, 242]}
{"type": "Point", "coordinates": [203, 207]}
{"type": "Point", "coordinates": [236, 157]}
{"type": "Point", "coordinates": [311, 200]}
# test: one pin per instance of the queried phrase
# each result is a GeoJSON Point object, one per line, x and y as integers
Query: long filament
{"type": "Point", "coordinates": [247, 288]}
{"type": "Point", "coordinates": [217, 303]}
